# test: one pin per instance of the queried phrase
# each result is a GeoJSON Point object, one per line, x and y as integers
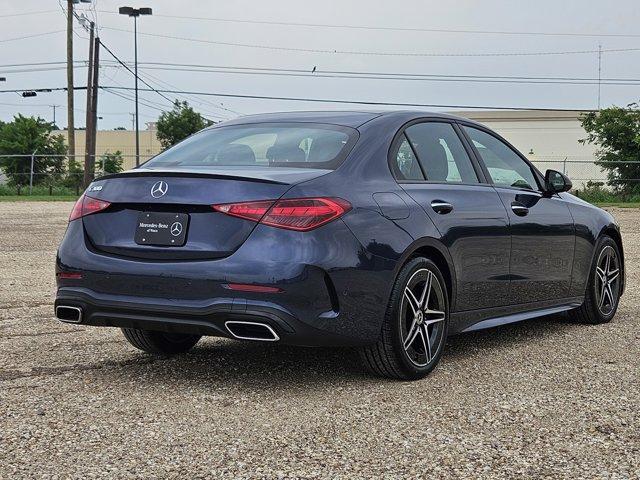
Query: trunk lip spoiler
{"type": "Point", "coordinates": [201, 174]}
{"type": "Point", "coordinates": [172, 173]}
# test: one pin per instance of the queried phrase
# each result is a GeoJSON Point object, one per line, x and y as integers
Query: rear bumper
{"type": "Point", "coordinates": [333, 291]}
{"type": "Point", "coordinates": [199, 317]}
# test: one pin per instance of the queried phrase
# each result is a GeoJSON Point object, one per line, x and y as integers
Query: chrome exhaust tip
{"type": "Point", "coordinates": [68, 314]}
{"type": "Point", "coordinates": [256, 331]}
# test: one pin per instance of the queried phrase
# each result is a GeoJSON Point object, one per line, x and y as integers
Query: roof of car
{"type": "Point", "coordinates": [346, 118]}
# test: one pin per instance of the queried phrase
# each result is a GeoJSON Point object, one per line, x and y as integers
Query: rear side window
{"type": "Point", "coordinates": [405, 164]}
{"type": "Point", "coordinates": [506, 167]}
{"type": "Point", "coordinates": [441, 153]}
{"type": "Point", "coordinates": [300, 145]}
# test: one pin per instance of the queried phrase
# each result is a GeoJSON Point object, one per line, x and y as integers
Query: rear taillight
{"type": "Point", "coordinates": [301, 214]}
{"type": "Point", "coordinates": [86, 206]}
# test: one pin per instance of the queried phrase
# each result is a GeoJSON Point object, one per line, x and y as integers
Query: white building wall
{"type": "Point", "coordinates": [548, 139]}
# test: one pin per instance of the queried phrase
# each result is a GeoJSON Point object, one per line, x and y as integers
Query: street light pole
{"type": "Point", "coordinates": [135, 13]}
{"type": "Point", "coordinates": [70, 91]}
{"type": "Point", "coordinates": [135, 48]}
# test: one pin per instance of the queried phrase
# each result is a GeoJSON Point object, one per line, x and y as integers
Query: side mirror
{"type": "Point", "coordinates": [556, 182]}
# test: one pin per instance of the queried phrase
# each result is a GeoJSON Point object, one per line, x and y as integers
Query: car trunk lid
{"type": "Point", "coordinates": [147, 204]}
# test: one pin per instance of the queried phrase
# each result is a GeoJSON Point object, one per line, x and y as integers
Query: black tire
{"type": "Point", "coordinates": [160, 343]}
{"type": "Point", "coordinates": [591, 312]}
{"type": "Point", "coordinates": [389, 357]}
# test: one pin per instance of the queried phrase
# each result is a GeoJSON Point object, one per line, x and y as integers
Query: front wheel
{"type": "Point", "coordinates": [415, 324]}
{"type": "Point", "coordinates": [604, 286]}
{"type": "Point", "coordinates": [160, 343]}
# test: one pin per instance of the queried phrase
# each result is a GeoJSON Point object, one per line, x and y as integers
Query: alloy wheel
{"type": "Point", "coordinates": [607, 281]}
{"type": "Point", "coordinates": [422, 317]}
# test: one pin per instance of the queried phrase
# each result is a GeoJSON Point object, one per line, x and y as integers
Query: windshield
{"type": "Point", "coordinates": [301, 145]}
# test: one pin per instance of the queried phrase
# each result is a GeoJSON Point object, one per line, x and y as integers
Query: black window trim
{"type": "Point", "coordinates": [483, 179]}
{"type": "Point", "coordinates": [536, 173]}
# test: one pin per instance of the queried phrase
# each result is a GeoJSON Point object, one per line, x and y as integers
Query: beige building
{"type": "Point", "coordinates": [549, 138]}
{"type": "Point", "coordinates": [110, 141]}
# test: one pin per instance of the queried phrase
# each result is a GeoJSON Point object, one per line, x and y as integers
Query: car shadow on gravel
{"type": "Point", "coordinates": [279, 367]}
{"type": "Point", "coordinates": [251, 366]}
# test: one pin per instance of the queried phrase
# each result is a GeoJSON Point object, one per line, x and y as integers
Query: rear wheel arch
{"type": "Point", "coordinates": [436, 252]}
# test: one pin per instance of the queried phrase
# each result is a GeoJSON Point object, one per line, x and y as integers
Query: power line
{"type": "Point", "coordinates": [351, 73]}
{"type": "Point", "coordinates": [397, 29]}
{"type": "Point", "coordinates": [299, 73]}
{"type": "Point", "coordinates": [357, 102]}
{"type": "Point", "coordinates": [148, 103]}
{"type": "Point", "coordinates": [33, 64]}
{"type": "Point", "coordinates": [191, 99]}
{"type": "Point", "coordinates": [142, 102]}
{"type": "Point", "coordinates": [422, 78]}
{"type": "Point", "coordinates": [372, 53]}
{"type": "Point", "coordinates": [314, 100]}
{"type": "Point", "coordinates": [386, 74]}
{"type": "Point", "coordinates": [4, 40]}
{"type": "Point", "coordinates": [27, 13]}
{"type": "Point", "coordinates": [133, 73]}
{"type": "Point", "coordinates": [40, 89]}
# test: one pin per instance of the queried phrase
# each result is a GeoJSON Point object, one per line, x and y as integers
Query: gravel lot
{"type": "Point", "coordinates": [545, 398]}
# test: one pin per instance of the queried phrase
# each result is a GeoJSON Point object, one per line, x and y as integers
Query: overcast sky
{"type": "Point", "coordinates": [606, 21]}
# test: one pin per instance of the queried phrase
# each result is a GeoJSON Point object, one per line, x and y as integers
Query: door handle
{"type": "Point", "coordinates": [441, 207]}
{"type": "Point", "coordinates": [519, 209]}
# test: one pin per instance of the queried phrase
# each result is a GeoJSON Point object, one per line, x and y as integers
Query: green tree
{"type": "Point", "coordinates": [110, 162]}
{"type": "Point", "coordinates": [179, 123]}
{"type": "Point", "coordinates": [616, 132]}
{"type": "Point", "coordinates": [23, 136]}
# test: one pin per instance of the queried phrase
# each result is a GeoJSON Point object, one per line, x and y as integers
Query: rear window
{"type": "Point", "coordinates": [300, 145]}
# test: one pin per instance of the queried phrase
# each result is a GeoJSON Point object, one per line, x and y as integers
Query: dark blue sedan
{"type": "Point", "coordinates": [383, 231]}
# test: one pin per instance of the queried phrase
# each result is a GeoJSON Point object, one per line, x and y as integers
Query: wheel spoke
{"type": "Point", "coordinates": [613, 274]}
{"type": "Point", "coordinates": [413, 333]}
{"type": "Point", "coordinates": [602, 274]}
{"type": "Point", "coordinates": [610, 294]}
{"type": "Point", "coordinates": [424, 335]}
{"type": "Point", "coordinates": [603, 290]}
{"type": "Point", "coordinates": [433, 316]}
{"type": "Point", "coordinates": [411, 298]}
{"type": "Point", "coordinates": [426, 291]}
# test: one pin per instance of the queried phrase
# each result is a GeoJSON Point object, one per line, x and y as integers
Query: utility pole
{"type": "Point", "coordinates": [70, 90]}
{"type": "Point", "coordinates": [599, 73]}
{"type": "Point", "coordinates": [94, 104]}
{"type": "Point", "coordinates": [135, 35]}
{"type": "Point", "coordinates": [89, 115]}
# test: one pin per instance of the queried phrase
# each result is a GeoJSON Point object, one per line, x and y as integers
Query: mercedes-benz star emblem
{"type": "Point", "coordinates": [176, 229]}
{"type": "Point", "coordinates": [159, 189]}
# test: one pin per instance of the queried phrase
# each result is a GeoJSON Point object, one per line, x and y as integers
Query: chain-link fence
{"type": "Point", "coordinates": [42, 174]}
{"type": "Point", "coordinates": [56, 175]}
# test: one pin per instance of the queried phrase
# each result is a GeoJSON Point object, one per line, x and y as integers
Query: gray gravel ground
{"type": "Point", "coordinates": [545, 398]}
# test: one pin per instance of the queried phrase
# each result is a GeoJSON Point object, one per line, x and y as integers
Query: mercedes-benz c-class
{"type": "Point", "coordinates": [381, 231]}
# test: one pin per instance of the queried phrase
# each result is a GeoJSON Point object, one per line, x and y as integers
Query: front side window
{"type": "Point", "coordinates": [505, 166]}
{"type": "Point", "coordinates": [441, 153]}
{"type": "Point", "coordinates": [261, 145]}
